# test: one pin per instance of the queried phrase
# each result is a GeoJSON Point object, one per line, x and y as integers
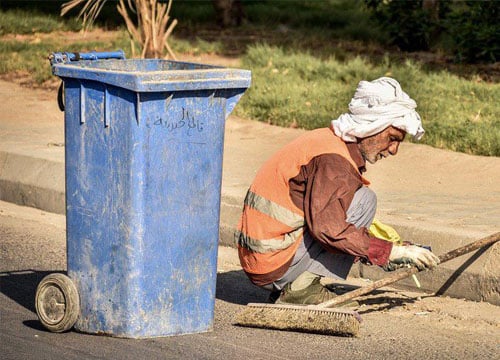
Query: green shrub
{"type": "Point", "coordinates": [470, 27]}
{"type": "Point", "coordinates": [409, 25]}
{"type": "Point", "coordinates": [474, 27]}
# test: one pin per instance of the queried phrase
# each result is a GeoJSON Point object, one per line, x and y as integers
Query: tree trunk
{"type": "Point", "coordinates": [432, 6]}
{"type": "Point", "coordinates": [228, 12]}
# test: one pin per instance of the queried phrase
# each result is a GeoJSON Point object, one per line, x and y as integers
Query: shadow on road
{"type": "Point", "coordinates": [384, 303]}
{"type": "Point", "coordinates": [456, 274]}
{"type": "Point", "coordinates": [234, 287]}
{"type": "Point", "coordinates": [20, 286]}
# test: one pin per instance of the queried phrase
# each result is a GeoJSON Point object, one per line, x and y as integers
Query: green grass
{"type": "Point", "coordinates": [18, 21]}
{"type": "Point", "coordinates": [196, 46]}
{"type": "Point", "coordinates": [32, 57]}
{"type": "Point", "coordinates": [304, 72]}
{"type": "Point", "coordinates": [299, 90]}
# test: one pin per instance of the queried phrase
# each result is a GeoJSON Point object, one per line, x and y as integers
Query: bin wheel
{"type": "Point", "coordinates": [57, 302]}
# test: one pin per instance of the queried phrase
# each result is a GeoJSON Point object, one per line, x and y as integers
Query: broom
{"type": "Point", "coordinates": [321, 318]}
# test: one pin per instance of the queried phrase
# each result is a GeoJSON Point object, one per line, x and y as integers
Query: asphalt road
{"type": "Point", "coordinates": [397, 324]}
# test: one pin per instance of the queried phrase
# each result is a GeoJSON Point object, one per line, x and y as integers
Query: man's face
{"type": "Point", "coordinates": [381, 145]}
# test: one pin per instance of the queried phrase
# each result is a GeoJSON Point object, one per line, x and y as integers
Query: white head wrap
{"type": "Point", "coordinates": [376, 105]}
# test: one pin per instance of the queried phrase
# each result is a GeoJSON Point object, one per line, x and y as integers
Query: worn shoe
{"type": "Point", "coordinates": [314, 294]}
{"type": "Point", "coordinates": [273, 296]}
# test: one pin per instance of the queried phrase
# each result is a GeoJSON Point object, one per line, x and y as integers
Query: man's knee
{"type": "Point", "coordinates": [363, 207]}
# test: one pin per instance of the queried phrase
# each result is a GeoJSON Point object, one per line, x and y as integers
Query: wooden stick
{"type": "Point", "coordinates": [408, 272]}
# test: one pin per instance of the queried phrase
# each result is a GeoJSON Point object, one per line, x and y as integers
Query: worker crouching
{"type": "Point", "coordinates": [307, 213]}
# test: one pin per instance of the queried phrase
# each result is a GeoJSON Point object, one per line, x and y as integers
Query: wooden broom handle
{"type": "Point", "coordinates": [402, 274]}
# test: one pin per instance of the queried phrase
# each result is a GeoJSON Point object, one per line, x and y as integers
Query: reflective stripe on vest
{"type": "Point", "coordinates": [268, 245]}
{"type": "Point", "coordinates": [276, 212]}
{"type": "Point", "coordinates": [273, 210]}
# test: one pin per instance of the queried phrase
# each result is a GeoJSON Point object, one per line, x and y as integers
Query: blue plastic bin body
{"type": "Point", "coordinates": [144, 145]}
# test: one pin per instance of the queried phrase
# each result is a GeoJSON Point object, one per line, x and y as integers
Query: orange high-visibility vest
{"type": "Point", "coordinates": [271, 225]}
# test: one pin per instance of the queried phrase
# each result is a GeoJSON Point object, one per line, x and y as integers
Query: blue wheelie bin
{"type": "Point", "coordinates": [144, 145]}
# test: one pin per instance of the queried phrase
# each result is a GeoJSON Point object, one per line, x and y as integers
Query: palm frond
{"type": "Point", "coordinates": [89, 12]}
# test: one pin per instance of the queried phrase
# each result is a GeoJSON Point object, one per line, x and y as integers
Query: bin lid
{"type": "Point", "coordinates": [153, 75]}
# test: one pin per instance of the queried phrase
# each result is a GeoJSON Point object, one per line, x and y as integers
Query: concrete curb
{"type": "Point", "coordinates": [444, 209]}
{"type": "Point", "coordinates": [39, 183]}
{"type": "Point", "coordinates": [33, 182]}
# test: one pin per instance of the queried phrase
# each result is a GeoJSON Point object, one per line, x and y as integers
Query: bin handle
{"type": "Point", "coordinates": [60, 96]}
{"type": "Point", "coordinates": [66, 57]}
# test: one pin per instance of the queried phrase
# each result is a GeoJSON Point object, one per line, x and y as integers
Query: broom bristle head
{"type": "Point", "coordinates": [310, 319]}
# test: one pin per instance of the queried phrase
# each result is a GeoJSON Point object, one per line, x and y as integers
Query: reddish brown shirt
{"type": "Point", "coordinates": [324, 189]}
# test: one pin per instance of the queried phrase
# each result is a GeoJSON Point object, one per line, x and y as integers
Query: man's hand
{"type": "Point", "coordinates": [411, 254]}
